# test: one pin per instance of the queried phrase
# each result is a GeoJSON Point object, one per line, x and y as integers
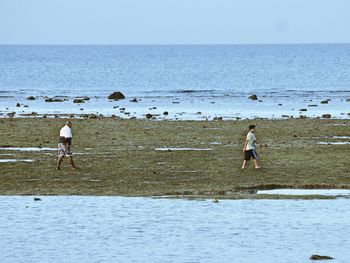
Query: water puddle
{"type": "Point", "coordinates": [333, 143]}
{"type": "Point", "coordinates": [27, 149]}
{"type": "Point", "coordinates": [16, 160]}
{"type": "Point", "coordinates": [301, 192]}
{"type": "Point", "coordinates": [182, 149]}
{"type": "Point", "coordinates": [340, 137]}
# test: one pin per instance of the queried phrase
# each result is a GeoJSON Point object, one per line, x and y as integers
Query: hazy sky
{"type": "Point", "coordinates": [173, 21]}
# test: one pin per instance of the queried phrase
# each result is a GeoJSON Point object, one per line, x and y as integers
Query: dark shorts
{"type": "Point", "coordinates": [250, 154]}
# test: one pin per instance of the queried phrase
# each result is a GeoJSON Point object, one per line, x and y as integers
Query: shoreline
{"type": "Point", "coordinates": [125, 161]}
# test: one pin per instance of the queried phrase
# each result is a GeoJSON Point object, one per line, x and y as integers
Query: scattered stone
{"type": "Point", "coordinates": [348, 99]}
{"type": "Point", "coordinates": [92, 116]}
{"type": "Point", "coordinates": [115, 107]}
{"type": "Point", "coordinates": [134, 100]}
{"type": "Point", "coordinates": [285, 116]}
{"type": "Point", "coordinates": [31, 98]}
{"type": "Point", "coordinates": [217, 119]}
{"type": "Point", "coordinates": [78, 101]}
{"type": "Point", "coordinates": [199, 113]}
{"type": "Point", "coordinates": [302, 117]}
{"type": "Point", "coordinates": [53, 100]}
{"type": "Point", "coordinates": [25, 106]}
{"type": "Point", "coordinates": [44, 116]}
{"type": "Point", "coordinates": [324, 102]}
{"type": "Point", "coordinates": [18, 105]}
{"type": "Point", "coordinates": [312, 105]}
{"type": "Point", "coordinates": [84, 98]}
{"type": "Point", "coordinates": [319, 257]}
{"type": "Point", "coordinates": [176, 102]}
{"type": "Point", "coordinates": [81, 108]}
{"type": "Point", "coordinates": [165, 113]}
{"type": "Point", "coordinates": [34, 113]}
{"type": "Point", "coordinates": [215, 201]}
{"type": "Point", "coordinates": [121, 109]}
{"type": "Point", "coordinates": [303, 110]}
{"type": "Point", "coordinates": [253, 97]}
{"type": "Point", "coordinates": [326, 116]}
{"type": "Point", "coordinates": [116, 96]}
{"type": "Point", "coordinates": [149, 116]}
{"type": "Point", "coordinates": [37, 199]}
{"type": "Point", "coordinates": [11, 114]}
{"type": "Point", "coordinates": [280, 104]}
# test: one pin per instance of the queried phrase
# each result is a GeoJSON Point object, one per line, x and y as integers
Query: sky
{"type": "Point", "coordinates": [174, 21]}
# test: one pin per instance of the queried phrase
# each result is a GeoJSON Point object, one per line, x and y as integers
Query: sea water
{"type": "Point", "coordinates": [190, 82]}
{"type": "Point", "coordinates": [121, 229]}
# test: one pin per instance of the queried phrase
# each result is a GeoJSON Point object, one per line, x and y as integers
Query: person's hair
{"type": "Point", "coordinates": [251, 127]}
{"type": "Point", "coordinates": [68, 123]}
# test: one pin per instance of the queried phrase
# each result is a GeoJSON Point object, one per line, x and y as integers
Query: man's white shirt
{"type": "Point", "coordinates": [66, 132]}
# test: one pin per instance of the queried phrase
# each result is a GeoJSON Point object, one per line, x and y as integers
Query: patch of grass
{"type": "Point", "coordinates": [122, 159]}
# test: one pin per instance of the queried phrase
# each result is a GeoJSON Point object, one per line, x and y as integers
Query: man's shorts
{"type": "Point", "coordinates": [64, 151]}
{"type": "Point", "coordinates": [250, 154]}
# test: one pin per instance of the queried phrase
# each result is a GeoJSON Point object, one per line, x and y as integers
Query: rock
{"type": "Point", "coordinates": [78, 101]}
{"type": "Point", "coordinates": [176, 102]}
{"type": "Point", "coordinates": [285, 116]}
{"type": "Point", "coordinates": [165, 113]}
{"type": "Point", "coordinates": [324, 102]}
{"type": "Point", "coordinates": [92, 116]}
{"type": "Point", "coordinates": [326, 116]}
{"type": "Point", "coordinates": [217, 119]}
{"type": "Point", "coordinates": [53, 100]}
{"type": "Point", "coordinates": [81, 108]}
{"type": "Point", "coordinates": [85, 98]}
{"type": "Point", "coordinates": [303, 110]}
{"type": "Point", "coordinates": [302, 117]}
{"type": "Point", "coordinates": [348, 99]}
{"type": "Point", "coordinates": [25, 106]}
{"type": "Point", "coordinates": [115, 107]}
{"type": "Point", "coordinates": [215, 201]}
{"type": "Point", "coordinates": [134, 100]}
{"type": "Point", "coordinates": [31, 98]}
{"type": "Point", "coordinates": [280, 104]}
{"type": "Point", "coordinates": [253, 97]}
{"type": "Point", "coordinates": [37, 199]}
{"type": "Point", "coordinates": [149, 116]}
{"type": "Point", "coordinates": [34, 113]}
{"type": "Point", "coordinates": [18, 105]}
{"type": "Point", "coordinates": [121, 109]}
{"type": "Point", "coordinates": [319, 257]}
{"type": "Point", "coordinates": [116, 96]}
{"type": "Point", "coordinates": [312, 105]}
{"type": "Point", "coordinates": [11, 114]}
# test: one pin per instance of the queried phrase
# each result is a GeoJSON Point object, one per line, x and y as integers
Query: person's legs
{"type": "Point", "coordinates": [59, 161]}
{"type": "Point", "coordinates": [244, 164]}
{"type": "Point", "coordinates": [71, 161]}
{"type": "Point", "coordinates": [256, 164]}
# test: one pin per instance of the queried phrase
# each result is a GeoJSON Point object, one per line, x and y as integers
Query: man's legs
{"type": "Point", "coordinates": [59, 161]}
{"type": "Point", "coordinates": [71, 161]}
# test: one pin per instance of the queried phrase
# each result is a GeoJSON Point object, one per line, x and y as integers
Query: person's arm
{"type": "Point", "coordinates": [245, 144]}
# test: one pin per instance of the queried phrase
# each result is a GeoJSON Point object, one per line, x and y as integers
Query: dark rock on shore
{"type": "Point", "coordinates": [18, 105]}
{"type": "Point", "coordinates": [116, 96]}
{"type": "Point", "coordinates": [303, 110]}
{"type": "Point", "coordinates": [326, 116]}
{"type": "Point", "coordinates": [312, 105]}
{"type": "Point", "coordinates": [11, 114]}
{"type": "Point", "coordinates": [37, 199]}
{"type": "Point", "coordinates": [78, 101]}
{"type": "Point", "coordinates": [325, 101]}
{"type": "Point", "coordinates": [92, 116]}
{"type": "Point", "coordinates": [53, 100]}
{"type": "Point", "coordinates": [31, 98]}
{"type": "Point", "coordinates": [253, 97]}
{"type": "Point", "coordinates": [165, 113]}
{"type": "Point", "coordinates": [285, 116]}
{"type": "Point", "coordinates": [134, 100]}
{"type": "Point", "coordinates": [149, 116]}
{"type": "Point", "coordinates": [217, 119]}
{"type": "Point", "coordinates": [348, 99]}
{"type": "Point", "coordinates": [319, 257]}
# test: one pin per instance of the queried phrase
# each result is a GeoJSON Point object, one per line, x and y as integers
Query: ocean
{"type": "Point", "coordinates": [187, 81]}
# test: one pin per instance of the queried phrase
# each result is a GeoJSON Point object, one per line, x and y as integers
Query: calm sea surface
{"type": "Point", "coordinates": [118, 229]}
{"type": "Point", "coordinates": [215, 80]}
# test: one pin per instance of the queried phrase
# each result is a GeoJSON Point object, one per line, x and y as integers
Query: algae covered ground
{"type": "Point", "coordinates": [119, 157]}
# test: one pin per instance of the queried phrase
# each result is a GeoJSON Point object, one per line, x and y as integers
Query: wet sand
{"type": "Point", "coordinates": [173, 158]}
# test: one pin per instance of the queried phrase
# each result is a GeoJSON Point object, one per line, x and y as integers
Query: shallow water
{"type": "Point", "coordinates": [117, 229]}
{"type": "Point", "coordinates": [16, 160]}
{"type": "Point", "coordinates": [325, 192]}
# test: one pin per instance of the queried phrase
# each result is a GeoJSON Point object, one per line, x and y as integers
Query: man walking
{"type": "Point", "coordinates": [249, 148]}
{"type": "Point", "coordinates": [65, 145]}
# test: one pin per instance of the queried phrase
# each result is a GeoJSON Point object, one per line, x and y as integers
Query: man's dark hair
{"type": "Point", "coordinates": [251, 127]}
